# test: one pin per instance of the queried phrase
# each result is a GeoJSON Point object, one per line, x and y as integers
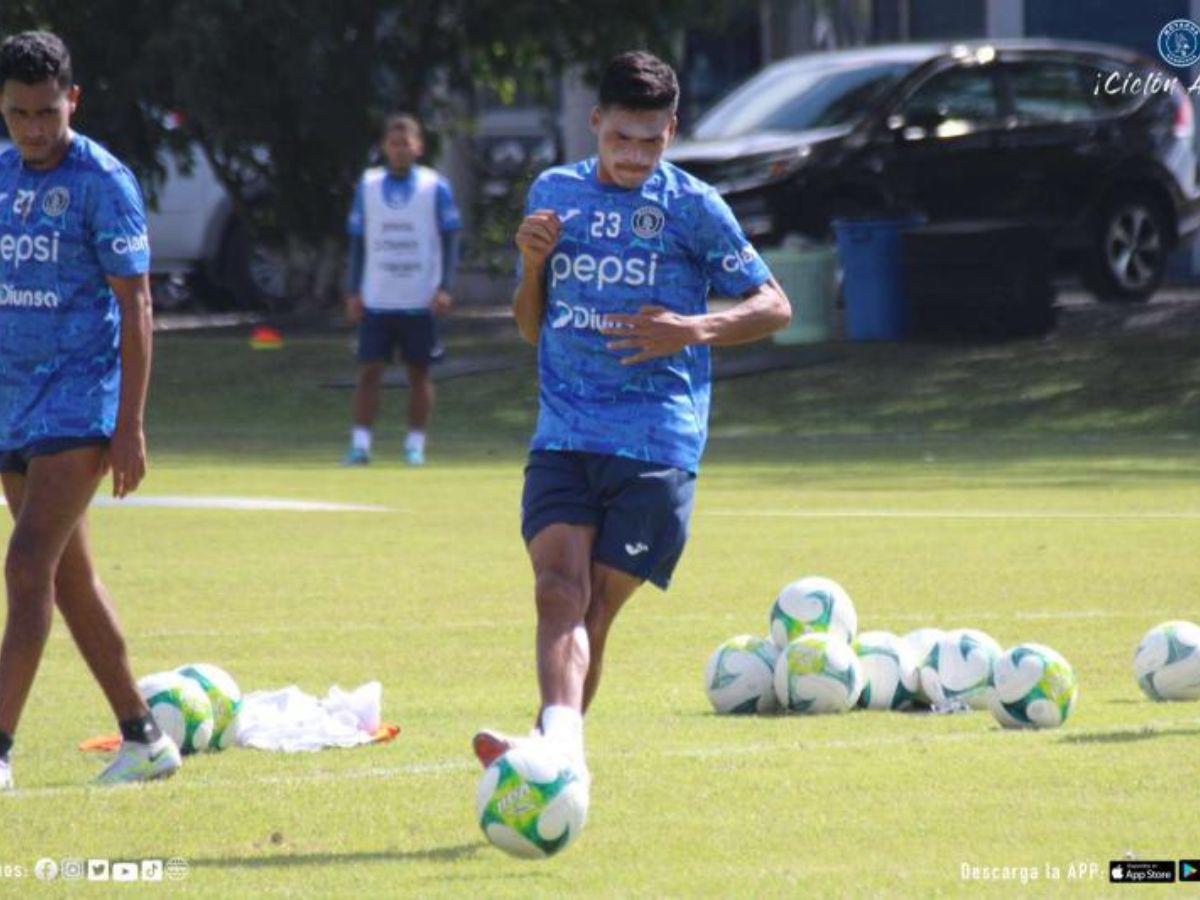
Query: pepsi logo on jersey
{"type": "Point", "coordinates": [633, 272]}
{"type": "Point", "coordinates": [25, 248]}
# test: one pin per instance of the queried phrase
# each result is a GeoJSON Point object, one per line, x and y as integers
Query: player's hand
{"type": "Point", "coordinates": [354, 308]}
{"type": "Point", "coordinates": [537, 236]}
{"type": "Point", "coordinates": [442, 303]}
{"type": "Point", "coordinates": [127, 456]}
{"type": "Point", "coordinates": [653, 331]}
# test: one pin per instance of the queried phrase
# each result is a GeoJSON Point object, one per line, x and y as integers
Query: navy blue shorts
{"type": "Point", "coordinates": [640, 510]}
{"type": "Point", "coordinates": [18, 460]}
{"type": "Point", "coordinates": [413, 334]}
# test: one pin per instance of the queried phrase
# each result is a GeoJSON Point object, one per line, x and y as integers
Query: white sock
{"type": "Point", "coordinates": [415, 441]}
{"type": "Point", "coordinates": [563, 725]}
{"type": "Point", "coordinates": [360, 438]}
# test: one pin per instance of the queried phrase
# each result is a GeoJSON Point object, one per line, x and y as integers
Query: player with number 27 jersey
{"type": "Point", "coordinates": [61, 232]}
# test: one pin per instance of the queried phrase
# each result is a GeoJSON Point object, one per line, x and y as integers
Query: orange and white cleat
{"type": "Point", "coordinates": [490, 745]}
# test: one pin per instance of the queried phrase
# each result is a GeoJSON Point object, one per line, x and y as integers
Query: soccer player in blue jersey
{"type": "Point", "coordinates": [619, 256]}
{"type": "Point", "coordinates": [75, 323]}
{"type": "Point", "coordinates": [404, 228]}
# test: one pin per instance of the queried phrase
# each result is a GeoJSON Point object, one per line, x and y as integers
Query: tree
{"type": "Point", "coordinates": [284, 97]}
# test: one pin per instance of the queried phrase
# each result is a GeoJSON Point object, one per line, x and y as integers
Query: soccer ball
{"type": "Point", "coordinates": [740, 676]}
{"type": "Point", "coordinates": [1033, 687]}
{"type": "Point", "coordinates": [812, 604]}
{"type": "Point", "coordinates": [224, 695]}
{"type": "Point", "coordinates": [532, 801]}
{"type": "Point", "coordinates": [181, 709]}
{"type": "Point", "coordinates": [958, 669]}
{"type": "Point", "coordinates": [818, 673]}
{"type": "Point", "coordinates": [1167, 662]}
{"type": "Point", "coordinates": [920, 641]}
{"type": "Point", "coordinates": [889, 669]}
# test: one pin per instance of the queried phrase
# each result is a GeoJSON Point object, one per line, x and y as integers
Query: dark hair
{"type": "Point", "coordinates": [639, 80]}
{"type": "Point", "coordinates": [31, 57]}
{"type": "Point", "coordinates": [402, 120]}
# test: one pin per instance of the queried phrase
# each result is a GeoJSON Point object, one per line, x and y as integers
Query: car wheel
{"type": "Point", "coordinates": [253, 271]}
{"type": "Point", "coordinates": [1127, 258]}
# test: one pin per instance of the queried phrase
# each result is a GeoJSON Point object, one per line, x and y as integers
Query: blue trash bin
{"type": "Point", "coordinates": [872, 277]}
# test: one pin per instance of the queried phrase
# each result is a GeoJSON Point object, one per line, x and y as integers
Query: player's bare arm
{"type": "Point", "coordinates": [655, 331]}
{"type": "Point", "coordinates": [127, 452]}
{"type": "Point", "coordinates": [536, 237]}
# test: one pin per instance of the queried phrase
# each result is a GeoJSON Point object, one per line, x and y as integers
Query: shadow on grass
{"type": "Point", "coordinates": [1130, 737]}
{"type": "Point", "coordinates": [278, 860]}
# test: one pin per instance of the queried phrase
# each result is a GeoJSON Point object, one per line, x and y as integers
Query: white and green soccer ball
{"type": "Point", "coordinates": [740, 676]}
{"type": "Point", "coordinates": [181, 709]}
{"type": "Point", "coordinates": [957, 670]}
{"type": "Point", "coordinates": [532, 802]}
{"type": "Point", "coordinates": [812, 604]}
{"type": "Point", "coordinates": [818, 673]}
{"type": "Point", "coordinates": [889, 668]}
{"type": "Point", "coordinates": [1166, 663]}
{"type": "Point", "coordinates": [1033, 686]}
{"type": "Point", "coordinates": [921, 641]}
{"type": "Point", "coordinates": [224, 695]}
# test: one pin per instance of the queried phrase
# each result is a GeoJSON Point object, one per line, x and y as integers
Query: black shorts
{"type": "Point", "coordinates": [18, 460]}
{"type": "Point", "coordinates": [382, 333]}
{"type": "Point", "coordinates": [640, 510]}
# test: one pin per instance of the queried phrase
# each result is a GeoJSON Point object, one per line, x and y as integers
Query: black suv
{"type": "Point", "coordinates": [1031, 131]}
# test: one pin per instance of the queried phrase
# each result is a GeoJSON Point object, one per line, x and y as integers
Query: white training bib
{"type": "Point", "coordinates": [403, 265]}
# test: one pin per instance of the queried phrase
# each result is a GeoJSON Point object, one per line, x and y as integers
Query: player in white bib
{"type": "Point", "coordinates": [404, 229]}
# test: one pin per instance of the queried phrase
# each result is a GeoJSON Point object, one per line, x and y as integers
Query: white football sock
{"type": "Point", "coordinates": [563, 725]}
{"type": "Point", "coordinates": [360, 439]}
{"type": "Point", "coordinates": [415, 441]}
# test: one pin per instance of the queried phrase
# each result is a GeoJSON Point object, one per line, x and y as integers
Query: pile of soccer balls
{"type": "Point", "coordinates": [815, 661]}
{"type": "Point", "coordinates": [195, 706]}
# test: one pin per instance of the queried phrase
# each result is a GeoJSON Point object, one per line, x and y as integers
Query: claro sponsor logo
{"type": "Point", "coordinates": [605, 270]}
{"type": "Point", "coordinates": [734, 262]}
{"type": "Point", "coordinates": [24, 248]}
{"type": "Point", "coordinates": [137, 243]}
{"type": "Point", "coordinates": [29, 298]}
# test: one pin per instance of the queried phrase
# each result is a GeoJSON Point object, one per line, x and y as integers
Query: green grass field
{"type": "Point", "coordinates": [1040, 491]}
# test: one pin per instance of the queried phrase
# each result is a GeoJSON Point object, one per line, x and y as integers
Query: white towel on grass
{"type": "Point", "coordinates": [292, 721]}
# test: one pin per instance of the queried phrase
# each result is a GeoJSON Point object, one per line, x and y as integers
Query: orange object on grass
{"type": "Point", "coordinates": [111, 743]}
{"type": "Point", "coordinates": [264, 337]}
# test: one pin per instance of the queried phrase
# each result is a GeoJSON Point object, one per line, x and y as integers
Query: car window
{"type": "Point", "coordinates": [795, 97]}
{"type": "Point", "coordinates": [954, 102]}
{"type": "Point", "coordinates": [1049, 92]}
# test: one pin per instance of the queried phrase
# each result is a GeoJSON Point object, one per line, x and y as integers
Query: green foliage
{"type": "Point", "coordinates": [285, 97]}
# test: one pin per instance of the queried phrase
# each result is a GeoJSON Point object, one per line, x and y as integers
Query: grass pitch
{"type": "Point", "coordinates": [1039, 491]}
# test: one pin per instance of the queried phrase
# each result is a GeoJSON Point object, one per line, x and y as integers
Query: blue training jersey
{"type": "Point", "coordinates": [61, 232]}
{"type": "Point", "coordinates": [672, 242]}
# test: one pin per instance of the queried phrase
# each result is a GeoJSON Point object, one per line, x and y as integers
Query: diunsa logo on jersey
{"type": "Point", "coordinates": [56, 201]}
{"type": "Point", "coordinates": [648, 222]}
